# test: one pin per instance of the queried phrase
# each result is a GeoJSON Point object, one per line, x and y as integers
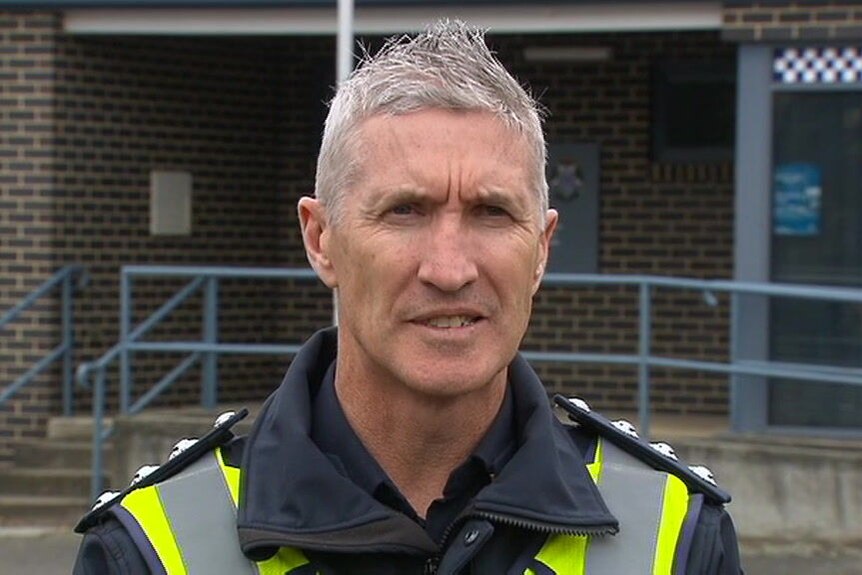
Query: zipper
{"type": "Point", "coordinates": [545, 527]}
{"type": "Point", "coordinates": [431, 565]}
{"type": "Point", "coordinates": [527, 524]}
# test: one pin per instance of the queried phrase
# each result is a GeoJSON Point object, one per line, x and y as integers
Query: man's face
{"type": "Point", "coordinates": [438, 252]}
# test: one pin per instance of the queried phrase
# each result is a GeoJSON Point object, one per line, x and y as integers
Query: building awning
{"type": "Point", "coordinates": [64, 4]}
{"type": "Point", "coordinates": [308, 17]}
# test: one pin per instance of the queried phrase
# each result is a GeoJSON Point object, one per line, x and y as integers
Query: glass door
{"type": "Point", "coordinates": [816, 239]}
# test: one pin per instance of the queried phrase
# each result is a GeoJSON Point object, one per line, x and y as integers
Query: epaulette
{"type": "Point", "coordinates": [659, 455]}
{"type": "Point", "coordinates": [183, 454]}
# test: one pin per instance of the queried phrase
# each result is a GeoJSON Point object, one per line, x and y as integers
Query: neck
{"type": "Point", "coordinates": [418, 440]}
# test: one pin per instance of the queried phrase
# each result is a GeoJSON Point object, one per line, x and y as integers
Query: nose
{"type": "Point", "coordinates": [447, 262]}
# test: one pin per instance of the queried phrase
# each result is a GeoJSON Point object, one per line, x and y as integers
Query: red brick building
{"type": "Point", "coordinates": [97, 95]}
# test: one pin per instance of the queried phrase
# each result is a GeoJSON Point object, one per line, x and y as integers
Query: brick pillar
{"type": "Point", "coordinates": [802, 20]}
{"type": "Point", "coordinates": [27, 42]}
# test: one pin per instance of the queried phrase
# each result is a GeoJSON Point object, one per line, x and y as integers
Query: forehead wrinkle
{"type": "Point", "coordinates": [477, 184]}
{"type": "Point", "coordinates": [389, 151]}
{"type": "Point", "coordinates": [401, 154]}
{"type": "Point", "coordinates": [455, 183]}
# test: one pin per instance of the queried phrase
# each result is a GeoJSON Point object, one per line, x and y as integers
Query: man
{"type": "Point", "coordinates": [415, 439]}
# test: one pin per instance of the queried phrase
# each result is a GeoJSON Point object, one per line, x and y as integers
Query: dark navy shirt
{"type": "Point", "coordinates": [332, 433]}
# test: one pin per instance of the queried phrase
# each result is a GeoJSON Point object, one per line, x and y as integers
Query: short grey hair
{"type": "Point", "coordinates": [448, 66]}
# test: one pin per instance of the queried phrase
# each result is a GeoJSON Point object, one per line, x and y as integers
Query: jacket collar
{"type": "Point", "coordinates": [293, 496]}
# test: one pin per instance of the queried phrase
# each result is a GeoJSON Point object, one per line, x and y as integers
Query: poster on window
{"type": "Point", "coordinates": [796, 204]}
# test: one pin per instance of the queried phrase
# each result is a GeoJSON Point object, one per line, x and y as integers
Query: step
{"type": "Point", "coordinates": [59, 482]}
{"type": "Point", "coordinates": [78, 427]}
{"type": "Point", "coordinates": [41, 453]}
{"type": "Point", "coordinates": [41, 511]}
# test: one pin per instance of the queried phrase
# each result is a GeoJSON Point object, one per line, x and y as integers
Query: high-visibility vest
{"type": "Point", "coordinates": [188, 523]}
{"type": "Point", "coordinates": [653, 508]}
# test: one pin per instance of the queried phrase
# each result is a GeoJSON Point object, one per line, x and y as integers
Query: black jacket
{"type": "Point", "coordinates": [308, 504]}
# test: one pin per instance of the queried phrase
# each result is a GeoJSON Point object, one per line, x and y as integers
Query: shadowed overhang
{"type": "Point", "coordinates": [315, 17]}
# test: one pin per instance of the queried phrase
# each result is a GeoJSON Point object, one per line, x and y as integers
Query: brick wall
{"type": "Point", "coordinates": [662, 219]}
{"type": "Point", "coordinates": [803, 20]}
{"type": "Point", "coordinates": [234, 113]}
{"type": "Point", "coordinates": [27, 44]}
{"type": "Point", "coordinates": [82, 132]}
{"type": "Point", "coordinates": [243, 115]}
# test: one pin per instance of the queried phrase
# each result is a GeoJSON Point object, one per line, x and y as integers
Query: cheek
{"type": "Point", "coordinates": [530, 275]}
{"type": "Point", "coordinates": [378, 272]}
{"type": "Point", "coordinates": [513, 273]}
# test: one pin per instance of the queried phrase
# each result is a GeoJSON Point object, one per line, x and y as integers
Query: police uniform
{"type": "Point", "coordinates": [537, 497]}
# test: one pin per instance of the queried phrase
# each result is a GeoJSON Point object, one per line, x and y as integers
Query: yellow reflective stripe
{"type": "Point", "coordinates": [283, 562]}
{"type": "Point", "coordinates": [595, 468]}
{"type": "Point", "coordinates": [287, 558]}
{"type": "Point", "coordinates": [231, 476]}
{"type": "Point", "coordinates": [673, 514]}
{"type": "Point", "coordinates": [146, 507]}
{"type": "Point", "coordinates": [564, 554]}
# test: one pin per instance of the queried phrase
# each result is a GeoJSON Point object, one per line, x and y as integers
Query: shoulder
{"type": "Point", "coordinates": [108, 549]}
{"type": "Point", "coordinates": [714, 545]}
{"type": "Point", "coordinates": [657, 455]}
{"type": "Point", "coordinates": [711, 542]}
{"type": "Point", "coordinates": [185, 453]}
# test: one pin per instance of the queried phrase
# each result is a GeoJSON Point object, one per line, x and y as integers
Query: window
{"type": "Point", "coordinates": [694, 112]}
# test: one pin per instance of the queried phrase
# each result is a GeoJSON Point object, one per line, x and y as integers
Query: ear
{"type": "Point", "coordinates": [551, 218]}
{"type": "Point", "coordinates": [315, 236]}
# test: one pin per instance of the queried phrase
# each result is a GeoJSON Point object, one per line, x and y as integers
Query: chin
{"type": "Point", "coordinates": [450, 385]}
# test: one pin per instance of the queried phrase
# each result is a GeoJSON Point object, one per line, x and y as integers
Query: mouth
{"type": "Point", "coordinates": [449, 321]}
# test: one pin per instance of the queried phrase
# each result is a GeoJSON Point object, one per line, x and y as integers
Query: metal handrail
{"type": "Point", "coordinates": [64, 278]}
{"type": "Point", "coordinates": [84, 377]}
{"type": "Point", "coordinates": [207, 350]}
{"type": "Point", "coordinates": [93, 374]}
{"type": "Point", "coordinates": [750, 288]}
{"type": "Point", "coordinates": [644, 360]}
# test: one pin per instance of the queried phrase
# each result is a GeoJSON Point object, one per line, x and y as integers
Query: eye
{"type": "Point", "coordinates": [402, 213]}
{"type": "Point", "coordinates": [403, 210]}
{"type": "Point", "coordinates": [492, 211]}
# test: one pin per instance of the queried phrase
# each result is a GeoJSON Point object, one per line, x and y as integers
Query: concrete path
{"type": "Point", "coordinates": [36, 551]}
{"type": "Point", "coordinates": [784, 565]}
{"type": "Point", "coordinates": [53, 553]}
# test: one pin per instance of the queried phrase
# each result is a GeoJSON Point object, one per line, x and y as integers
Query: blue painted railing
{"type": "Point", "coordinates": [67, 280]}
{"type": "Point", "coordinates": [208, 349]}
{"type": "Point", "coordinates": [94, 374]}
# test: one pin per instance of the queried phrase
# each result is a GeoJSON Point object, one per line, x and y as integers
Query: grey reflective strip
{"type": "Point", "coordinates": [635, 496]}
{"type": "Point", "coordinates": [203, 517]}
{"type": "Point", "coordinates": [613, 454]}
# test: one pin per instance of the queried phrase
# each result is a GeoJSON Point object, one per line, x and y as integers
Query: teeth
{"type": "Point", "coordinates": [451, 321]}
